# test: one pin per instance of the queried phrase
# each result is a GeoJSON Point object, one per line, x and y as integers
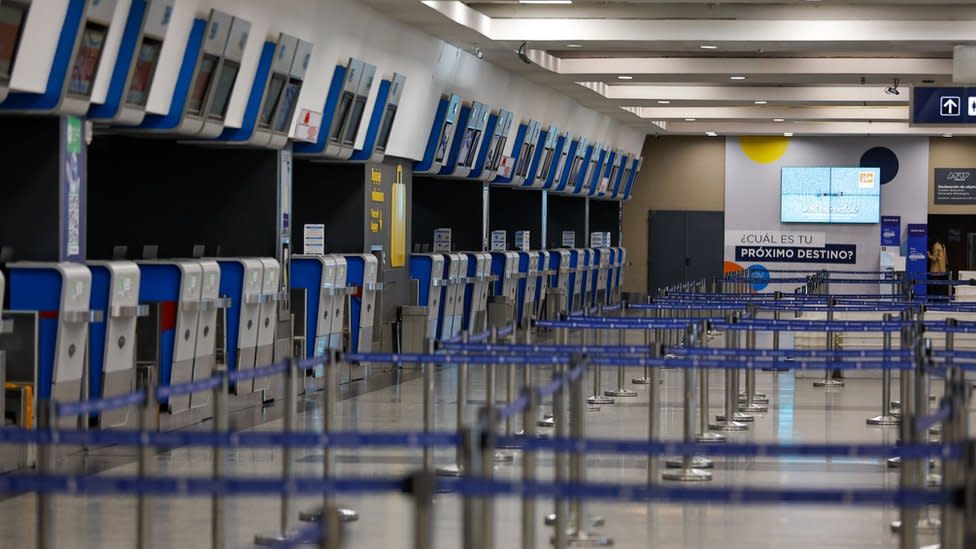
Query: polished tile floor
{"type": "Point", "coordinates": [798, 413]}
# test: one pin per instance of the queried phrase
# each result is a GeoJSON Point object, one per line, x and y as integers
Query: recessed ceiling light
{"type": "Point", "coordinates": [778, 120]}
{"type": "Point", "coordinates": [663, 102]}
{"type": "Point", "coordinates": [761, 102]}
{"type": "Point", "coordinates": [708, 47]}
{"type": "Point", "coordinates": [737, 78]}
{"type": "Point", "coordinates": [624, 77]}
{"type": "Point", "coordinates": [690, 119]}
{"type": "Point", "coordinates": [574, 45]}
{"type": "Point", "coordinates": [711, 134]}
{"type": "Point", "coordinates": [788, 134]}
{"type": "Point", "coordinates": [947, 135]}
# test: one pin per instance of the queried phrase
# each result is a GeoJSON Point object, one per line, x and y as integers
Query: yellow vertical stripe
{"type": "Point", "coordinates": [398, 225]}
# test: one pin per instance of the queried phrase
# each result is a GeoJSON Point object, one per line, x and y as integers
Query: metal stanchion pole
{"type": "Point", "coordinates": [147, 417]}
{"type": "Point", "coordinates": [886, 418]}
{"type": "Point", "coordinates": [331, 535]}
{"type": "Point", "coordinates": [750, 405]}
{"type": "Point", "coordinates": [510, 388]}
{"type": "Point", "coordinates": [220, 425]}
{"type": "Point", "coordinates": [470, 442]}
{"type": "Point", "coordinates": [688, 472]}
{"type": "Point", "coordinates": [828, 381]}
{"type": "Point", "coordinates": [455, 469]}
{"type": "Point", "coordinates": [598, 397]}
{"type": "Point", "coordinates": [428, 374]}
{"type": "Point", "coordinates": [528, 467]}
{"type": "Point", "coordinates": [488, 416]}
{"type": "Point", "coordinates": [621, 390]}
{"type": "Point", "coordinates": [548, 420]}
{"type": "Point", "coordinates": [653, 404]}
{"type": "Point", "coordinates": [422, 487]}
{"type": "Point", "coordinates": [287, 452]}
{"type": "Point", "coordinates": [491, 381]}
{"type": "Point", "coordinates": [728, 422]}
{"type": "Point", "coordinates": [559, 519]}
{"type": "Point", "coordinates": [704, 435]}
{"type": "Point", "coordinates": [954, 431]}
{"type": "Point", "coordinates": [644, 380]}
{"type": "Point", "coordinates": [46, 465]}
{"type": "Point", "coordinates": [579, 534]}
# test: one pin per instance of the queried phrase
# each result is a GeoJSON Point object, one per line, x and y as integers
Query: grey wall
{"type": "Point", "coordinates": [752, 191]}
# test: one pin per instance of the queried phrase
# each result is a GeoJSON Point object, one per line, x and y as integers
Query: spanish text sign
{"type": "Point", "coordinates": [840, 254]}
{"type": "Point", "coordinates": [775, 238]}
{"type": "Point", "coordinates": [955, 185]}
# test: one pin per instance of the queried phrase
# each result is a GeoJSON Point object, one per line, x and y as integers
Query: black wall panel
{"type": "Point", "coordinates": [446, 203]}
{"type": "Point", "coordinates": [150, 191]}
{"type": "Point", "coordinates": [566, 213]}
{"type": "Point", "coordinates": [516, 210]}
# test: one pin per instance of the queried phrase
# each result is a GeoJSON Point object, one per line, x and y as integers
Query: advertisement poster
{"type": "Point", "coordinates": [72, 190]}
{"type": "Point", "coordinates": [891, 230]}
{"type": "Point", "coordinates": [955, 186]}
{"type": "Point", "coordinates": [917, 263]}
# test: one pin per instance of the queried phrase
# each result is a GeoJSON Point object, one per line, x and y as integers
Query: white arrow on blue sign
{"type": "Point", "coordinates": [950, 105]}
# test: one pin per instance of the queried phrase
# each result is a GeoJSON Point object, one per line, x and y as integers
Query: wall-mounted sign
{"type": "Point", "coordinates": [314, 239]}
{"type": "Point", "coordinates": [840, 254]}
{"type": "Point", "coordinates": [775, 238]}
{"type": "Point", "coordinates": [943, 106]}
{"type": "Point", "coordinates": [891, 230]}
{"type": "Point", "coordinates": [955, 185]}
{"type": "Point", "coordinates": [309, 123]}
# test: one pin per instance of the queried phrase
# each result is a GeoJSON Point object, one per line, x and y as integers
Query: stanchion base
{"type": "Point", "coordinates": [934, 480]}
{"type": "Point", "coordinates": [728, 426]}
{"type": "Point", "coordinates": [687, 475]}
{"type": "Point", "coordinates": [273, 540]}
{"type": "Point", "coordinates": [345, 515]}
{"type": "Point", "coordinates": [641, 381]}
{"type": "Point", "coordinates": [754, 408]}
{"type": "Point", "coordinates": [598, 399]}
{"type": "Point", "coordinates": [829, 383]}
{"type": "Point", "coordinates": [592, 408]}
{"type": "Point", "coordinates": [894, 463]}
{"type": "Point", "coordinates": [547, 421]}
{"type": "Point", "coordinates": [450, 471]}
{"type": "Point", "coordinates": [925, 526]}
{"type": "Point", "coordinates": [759, 401]}
{"type": "Point", "coordinates": [707, 438]}
{"type": "Point", "coordinates": [595, 521]}
{"type": "Point", "coordinates": [620, 393]}
{"type": "Point", "coordinates": [586, 539]}
{"type": "Point", "coordinates": [755, 398]}
{"type": "Point", "coordinates": [504, 456]}
{"type": "Point", "coordinates": [697, 462]}
{"type": "Point", "coordinates": [738, 416]}
{"type": "Point", "coordinates": [883, 420]}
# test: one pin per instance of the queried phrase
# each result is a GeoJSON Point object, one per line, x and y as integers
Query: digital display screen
{"type": "Point", "coordinates": [275, 86]}
{"type": "Point", "coordinates": [574, 172]}
{"type": "Point", "coordinates": [345, 103]}
{"type": "Point", "coordinates": [830, 195]}
{"type": "Point", "coordinates": [468, 159]}
{"type": "Point", "coordinates": [287, 106]}
{"type": "Point", "coordinates": [11, 22]}
{"type": "Point", "coordinates": [86, 60]}
{"type": "Point", "coordinates": [498, 153]}
{"type": "Point", "coordinates": [445, 139]}
{"type": "Point", "coordinates": [386, 127]}
{"type": "Point", "coordinates": [522, 168]}
{"type": "Point", "coordinates": [352, 127]}
{"type": "Point", "coordinates": [467, 144]}
{"type": "Point", "coordinates": [223, 89]}
{"type": "Point", "coordinates": [546, 164]}
{"type": "Point", "coordinates": [143, 72]}
{"type": "Point", "coordinates": [199, 93]}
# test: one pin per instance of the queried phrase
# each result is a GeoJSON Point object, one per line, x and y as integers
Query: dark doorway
{"type": "Point", "coordinates": [683, 246]}
{"type": "Point", "coordinates": [958, 234]}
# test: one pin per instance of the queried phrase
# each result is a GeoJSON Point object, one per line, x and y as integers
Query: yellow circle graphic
{"type": "Point", "coordinates": [764, 149]}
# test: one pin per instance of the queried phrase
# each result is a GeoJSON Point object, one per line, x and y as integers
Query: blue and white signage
{"type": "Point", "coordinates": [943, 106]}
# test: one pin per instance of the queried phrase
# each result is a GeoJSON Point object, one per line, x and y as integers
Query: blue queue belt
{"type": "Point", "coordinates": [85, 407]}
{"type": "Point", "coordinates": [598, 350]}
{"type": "Point", "coordinates": [197, 486]}
{"type": "Point", "coordinates": [249, 439]}
{"type": "Point", "coordinates": [205, 384]}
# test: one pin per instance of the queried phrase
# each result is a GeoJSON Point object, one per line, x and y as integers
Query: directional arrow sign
{"type": "Point", "coordinates": [950, 105]}
{"type": "Point", "coordinates": [943, 106]}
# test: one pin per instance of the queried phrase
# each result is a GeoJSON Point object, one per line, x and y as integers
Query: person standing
{"type": "Point", "coordinates": [938, 269]}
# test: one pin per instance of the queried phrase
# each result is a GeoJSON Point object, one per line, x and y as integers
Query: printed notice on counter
{"type": "Point", "coordinates": [569, 239]}
{"type": "Point", "coordinates": [309, 124]}
{"type": "Point", "coordinates": [314, 240]}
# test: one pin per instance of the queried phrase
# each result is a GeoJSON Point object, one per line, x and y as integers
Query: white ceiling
{"type": "Point", "coordinates": [820, 66]}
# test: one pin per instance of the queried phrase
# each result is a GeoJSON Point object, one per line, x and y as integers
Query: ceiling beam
{"type": "Point", "coordinates": [768, 113]}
